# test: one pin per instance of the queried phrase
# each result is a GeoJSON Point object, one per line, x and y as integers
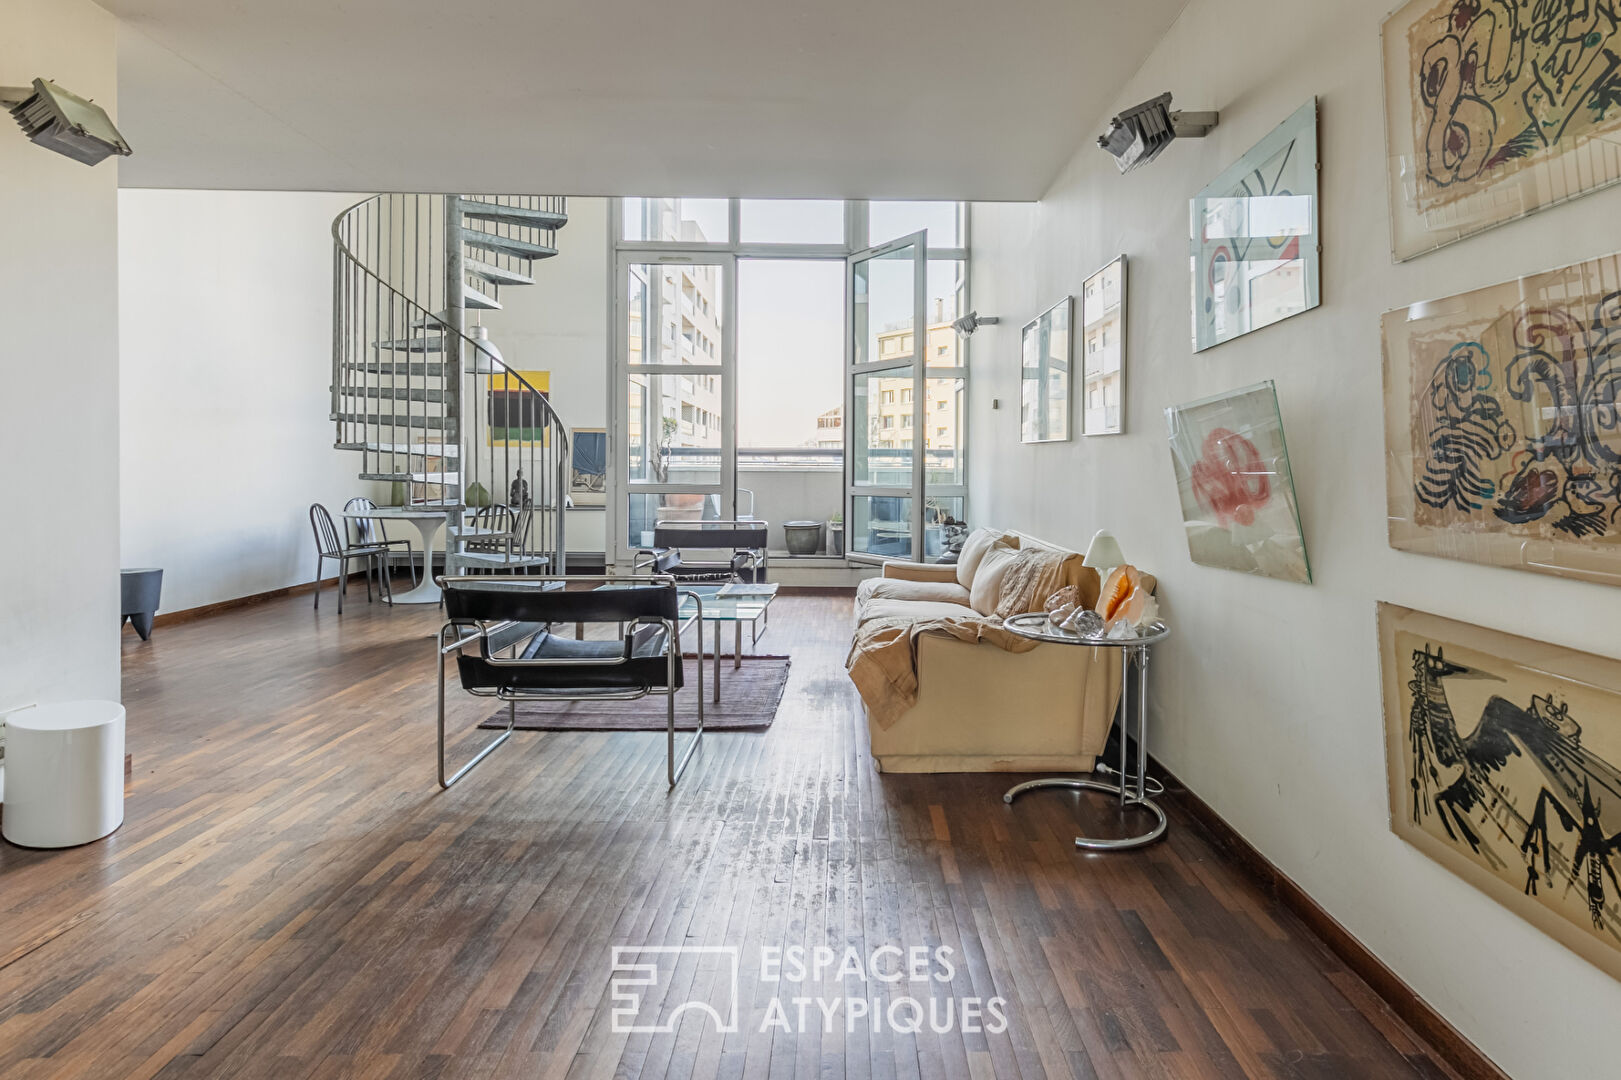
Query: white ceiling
{"type": "Point", "coordinates": [981, 99]}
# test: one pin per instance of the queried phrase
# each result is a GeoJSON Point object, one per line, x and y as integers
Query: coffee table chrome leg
{"type": "Point", "coordinates": [737, 649]}
{"type": "Point", "coordinates": [1132, 790]}
{"type": "Point", "coordinates": [1127, 800]}
{"type": "Point", "coordinates": [717, 663]}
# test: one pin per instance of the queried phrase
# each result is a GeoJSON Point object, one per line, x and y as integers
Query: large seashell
{"type": "Point", "coordinates": [1124, 600]}
{"type": "Point", "coordinates": [1118, 587]}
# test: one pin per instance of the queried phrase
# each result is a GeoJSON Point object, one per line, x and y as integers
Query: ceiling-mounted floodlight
{"type": "Point", "coordinates": [973, 321]}
{"type": "Point", "coordinates": [64, 122]}
{"type": "Point", "coordinates": [1138, 134]}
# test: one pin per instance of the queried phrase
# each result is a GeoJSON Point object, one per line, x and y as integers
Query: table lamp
{"type": "Point", "coordinates": [1103, 553]}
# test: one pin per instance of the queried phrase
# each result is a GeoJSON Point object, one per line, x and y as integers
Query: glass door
{"type": "Point", "coordinates": [885, 343]}
{"type": "Point", "coordinates": [675, 440]}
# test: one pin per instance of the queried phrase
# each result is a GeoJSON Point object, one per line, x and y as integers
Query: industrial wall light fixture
{"type": "Point", "coordinates": [1138, 134]}
{"type": "Point", "coordinates": [64, 122]}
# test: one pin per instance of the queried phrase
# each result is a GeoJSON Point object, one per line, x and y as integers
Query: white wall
{"type": "Point", "coordinates": [59, 369]}
{"type": "Point", "coordinates": [560, 324]}
{"type": "Point", "coordinates": [226, 339]}
{"type": "Point", "coordinates": [1266, 698]}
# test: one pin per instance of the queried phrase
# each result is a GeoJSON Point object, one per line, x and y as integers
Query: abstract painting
{"type": "Point", "coordinates": [1504, 765]}
{"type": "Point", "coordinates": [1044, 371]}
{"type": "Point", "coordinates": [1502, 430]}
{"type": "Point", "coordinates": [588, 483]}
{"type": "Point", "coordinates": [514, 418]}
{"type": "Point", "coordinates": [1237, 492]}
{"type": "Point", "coordinates": [1497, 108]}
{"type": "Point", "coordinates": [1254, 236]}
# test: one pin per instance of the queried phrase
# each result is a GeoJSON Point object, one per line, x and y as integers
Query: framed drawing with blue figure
{"type": "Point", "coordinates": [588, 483]}
{"type": "Point", "coordinates": [1495, 109]}
{"type": "Point", "coordinates": [1503, 762]}
{"type": "Point", "coordinates": [1254, 234]}
{"type": "Point", "coordinates": [1502, 436]}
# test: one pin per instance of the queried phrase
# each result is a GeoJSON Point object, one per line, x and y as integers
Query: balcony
{"type": "Point", "coordinates": [796, 484]}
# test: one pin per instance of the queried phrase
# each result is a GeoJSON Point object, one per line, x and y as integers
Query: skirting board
{"type": "Point", "coordinates": [169, 618]}
{"type": "Point", "coordinates": [1448, 1042]}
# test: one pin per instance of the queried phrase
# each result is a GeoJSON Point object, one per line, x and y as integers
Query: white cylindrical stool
{"type": "Point", "coordinates": [64, 774]}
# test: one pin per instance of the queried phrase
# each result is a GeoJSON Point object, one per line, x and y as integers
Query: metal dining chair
{"type": "Point", "coordinates": [499, 629]}
{"type": "Point", "coordinates": [369, 531]}
{"type": "Point", "coordinates": [329, 544]}
{"type": "Point", "coordinates": [506, 551]}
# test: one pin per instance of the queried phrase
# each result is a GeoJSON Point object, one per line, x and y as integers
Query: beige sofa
{"type": "Point", "coordinates": [979, 707]}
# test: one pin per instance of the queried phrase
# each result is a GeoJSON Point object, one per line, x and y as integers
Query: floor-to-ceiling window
{"type": "Point", "coordinates": [730, 370]}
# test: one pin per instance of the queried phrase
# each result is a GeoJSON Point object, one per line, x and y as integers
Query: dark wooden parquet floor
{"type": "Point", "coordinates": [292, 896]}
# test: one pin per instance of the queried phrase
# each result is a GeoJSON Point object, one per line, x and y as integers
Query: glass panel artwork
{"type": "Point", "coordinates": [1254, 236]}
{"type": "Point", "coordinates": [1045, 375]}
{"type": "Point", "coordinates": [1238, 495]}
{"type": "Point", "coordinates": [1103, 350]}
{"type": "Point", "coordinates": [1495, 110]}
{"type": "Point", "coordinates": [1501, 428]}
{"type": "Point", "coordinates": [1505, 767]}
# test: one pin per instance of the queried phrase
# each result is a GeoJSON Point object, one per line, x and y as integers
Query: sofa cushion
{"type": "Point", "coordinates": [987, 587]}
{"type": "Point", "coordinates": [944, 592]}
{"type": "Point", "coordinates": [973, 550]}
{"type": "Point", "coordinates": [880, 607]}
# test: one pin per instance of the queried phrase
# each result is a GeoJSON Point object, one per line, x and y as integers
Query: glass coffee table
{"type": "Point", "coordinates": [736, 603]}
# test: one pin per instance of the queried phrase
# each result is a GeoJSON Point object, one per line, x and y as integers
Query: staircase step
{"type": "Point", "coordinates": [397, 393]}
{"type": "Point", "coordinates": [449, 450]}
{"type": "Point", "coordinates": [513, 215]}
{"type": "Point", "coordinates": [506, 245]}
{"type": "Point", "coordinates": [495, 275]}
{"type": "Point", "coordinates": [419, 368]}
{"type": "Point", "coordinates": [449, 479]}
{"type": "Point", "coordinates": [437, 423]}
{"type": "Point", "coordinates": [423, 344]}
{"type": "Point", "coordinates": [472, 298]}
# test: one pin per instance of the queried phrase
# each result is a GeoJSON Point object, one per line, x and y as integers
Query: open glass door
{"type": "Point", "coordinates": [676, 443]}
{"type": "Point", "coordinates": [885, 341]}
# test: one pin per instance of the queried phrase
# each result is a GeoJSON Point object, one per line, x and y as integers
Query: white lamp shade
{"type": "Point", "coordinates": [1103, 553]}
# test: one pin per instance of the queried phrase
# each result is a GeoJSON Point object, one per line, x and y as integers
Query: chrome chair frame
{"type": "Point", "coordinates": [485, 630]}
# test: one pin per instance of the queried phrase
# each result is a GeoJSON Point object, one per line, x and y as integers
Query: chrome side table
{"type": "Point", "coordinates": [1134, 787]}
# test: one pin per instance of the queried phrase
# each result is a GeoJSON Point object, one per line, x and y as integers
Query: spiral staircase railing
{"type": "Point", "coordinates": [428, 401]}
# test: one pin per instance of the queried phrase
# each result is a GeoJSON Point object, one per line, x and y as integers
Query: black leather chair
{"type": "Point", "coordinates": [499, 629]}
{"type": "Point", "coordinates": [741, 545]}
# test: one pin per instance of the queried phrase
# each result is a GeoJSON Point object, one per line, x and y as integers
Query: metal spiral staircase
{"type": "Point", "coordinates": [426, 398]}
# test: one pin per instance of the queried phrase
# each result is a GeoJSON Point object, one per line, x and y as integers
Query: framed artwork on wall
{"type": "Point", "coordinates": [1103, 350]}
{"type": "Point", "coordinates": [1494, 110]}
{"type": "Point", "coordinates": [1045, 375]}
{"type": "Point", "coordinates": [588, 475]}
{"type": "Point", "coordinates": [1254, 236]}
{"type": "Point", "coordinates": [1502, 435]}
{"type": "Point", "coordinates": [1504, 766]}
{"type": "Point", "coordinates": [1236, 488]}
{"type": "Point", "coordinates": [512, 418]}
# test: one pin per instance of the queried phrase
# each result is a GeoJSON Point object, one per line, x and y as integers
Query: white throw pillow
{"type": "Point", "coordinates": [993, 566]}
{"type": "Point", "coordinates": [973, 550]}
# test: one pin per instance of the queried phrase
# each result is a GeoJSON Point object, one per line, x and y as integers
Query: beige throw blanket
{"type": "Point", "coordinates": [883, 657]}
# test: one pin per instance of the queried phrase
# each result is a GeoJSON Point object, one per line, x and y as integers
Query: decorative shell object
{"type": "Point", "coordinates": [1124, 601]}
{"type": "Point", "coordinates": [1062, 604]}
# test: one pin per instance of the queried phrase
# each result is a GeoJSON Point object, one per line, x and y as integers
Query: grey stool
{"type": "Point", "coordinates": [139, 590]}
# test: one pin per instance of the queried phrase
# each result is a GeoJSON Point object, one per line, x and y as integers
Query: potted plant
{"type": "Point", "coordinates": [835, 534]}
